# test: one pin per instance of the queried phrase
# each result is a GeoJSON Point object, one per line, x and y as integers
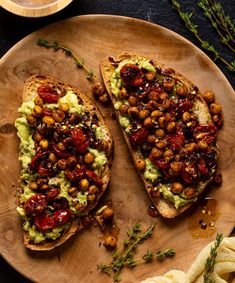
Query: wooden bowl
{"type": "Point", "coordinates": [34, 8]}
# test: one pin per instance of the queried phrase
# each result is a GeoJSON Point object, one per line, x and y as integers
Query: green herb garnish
{"type": "Point", "coordinates": [68, 52]}
{"type": "Point", "coordinates": [161, 255]}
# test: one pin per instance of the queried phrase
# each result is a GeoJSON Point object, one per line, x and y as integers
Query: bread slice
{"type": "Point", "coordinates": [90, 120]}
{"type": "Point", "coordinates": [108, 66]}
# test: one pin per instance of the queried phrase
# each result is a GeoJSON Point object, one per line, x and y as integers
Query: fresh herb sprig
{"type": "Point", "coordinates": [186, 17]}
{"type": "Point", "coordinates": [222, 24]}
{"type": "Point", "coordinates": [210, 262]}
{"type": "Point", "coordinates": [161, 255]}
{"type": "Point", "coordinates": [68, 52]}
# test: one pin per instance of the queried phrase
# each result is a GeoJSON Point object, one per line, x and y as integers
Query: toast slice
{"type": "Point", "coordinates": [66, 153]}
{"type": "Point", "coordinates": [167, 126]}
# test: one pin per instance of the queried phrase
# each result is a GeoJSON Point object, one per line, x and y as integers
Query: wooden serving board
{"type": "Point", "coordinates": [93, 37]}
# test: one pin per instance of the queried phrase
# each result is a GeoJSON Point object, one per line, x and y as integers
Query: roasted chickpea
{"type": "Point", "coordinates": [62, 164]}
{"type": "Point", "coordinates": [52, 157]}
{"type": "Point", "coordinates": [104, 99]}
{"type": "Point", "coordinates": [37, 137]}
{"type": "Point", "coordinates": [166, 103]}
{"type": "Point", "coordinates": [41, 181]}
{"type": "Point", "coordinates": [168, 85]}
{"type": "Point", "coordinates": [49, 121]}
{"type": "Point", "coordinates": [162, 122]}
{"type": "Point", "coordinates": [148, 122]}
{"type": "Point", "coordinates": [37, 111]}
{"type": "Point", "coordinates": [186, 117]}
{"type": "Point", "coordinates": [44, 144]}
{"type": "Point", "coordinates": [133, 111]}
{"type": "Point", "coordinates": [31, 120]}
{"type": "Point", "coordinates": [150, 76]}
{"type": "Point", "coordinates": [132, 100]}
{"type": "Point", "coordinates": [191, 147]}
{"type": "Point", "coordinates": [93, 189]}
{"type": "Point", "coordinates": [215, 108]}
{"type": "Point", "coordinates": [140, 164]}
{"type": "Point", "coordinates": [64, 107]}
{"type": "Point", "coordinates": [72, 190]}
{"type": "Point", "coordinates": [110, 241]}
{"type": "Point", "coordinates": [44, 187]}
{"type": "Point", "coordinates": [202, 145]}
{"type": "Point", "coordinates": [123, 109]}
{"type": "Point", "coordinates": [190, 192]}
{"type": "Point", "coordinates": [151, 139]}
{"type": "Point", "coordinates": [182, 90]}
{"type": "Point", "coordinates": [178, 157]}
{"type": "Point", "coordinates": [176, 166]}
{"type": "Point", "coordinates": [170, 127]}
{"type": "Point", "coordinates": [84, 184]}
{"type": "Point", "coordinates": [89, 158]}
{"type": "Point", "coordinates": [218, 120]}
{"type": "Point", "coordinates": [169, 117]}
{"type": "Point", "coordinates": [38, 100]}
{"type": "Point", "coordinates": [107, 213]}
{"type": "Point", "coordinates": [97, 90]}
{"type": "Point", "coordinates": [58, 116]}
{"type": "Point", "coordinates": [153, 95]}
{"type": "Point", "coordinates": [156, 153]}
{"type": "Point", "coordinates": [163, 96]}
{"type": "Point", "coordinates": [91, 197]}
{"type": "Point", "coordinates": [208, 96]}
{"type": "Point", "coordinates": [71, 161]}
{"type": "Point", "coordinates": [156, 113]}
{"type": "Point", "coordinates": [177, 188]}
{"type": "Point", "coordinates": [159, 133]}
{"type": "Point", "coordinates": [61, 146]}
{"type": "Point", "coordinates": [161, 144]}
{"type": "Point", "coordinates": [144, 113]}
{"type": "Point", "coordinates": [168, 154]}
{"type": "Point", "coordinates": [123, 93]}
{"type": "Point", "coordinates": [33, 186]}
{"type": "Point", "coordinates": [151, 105]}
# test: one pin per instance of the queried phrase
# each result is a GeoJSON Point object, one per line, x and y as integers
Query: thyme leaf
{"type": "Point", "coordinates": [161, 255]}
{"type": "Point", "coordinates": [68, 52]}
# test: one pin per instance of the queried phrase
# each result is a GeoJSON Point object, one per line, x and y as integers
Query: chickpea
{"type": "Point", "coordinates": [148, 122]}
{"type": "Point", "coordinates": [215, 108]}
{"type": "Point", "coordinates": [64, 107]}
{"type": "Point", "coordinates": [44, 144]}
{"type": "Point", "coordinates": [156, 153]}
{"type": "Point", "coordinates": [104, 99]}
{"type": "Point", "coordinates": [104, 145]}
{"type": "Point", "coordinates": [107, 213]}
{"type": "Point", "coordinates": [89, 158]}
{"type": "Point", "coordinates": [123, 93]}
{"type": "Point", "coordinates": [31, 120]}
{"type": "Point", "coordinates": [152, 105]}
{"type": "Point", "coordinates": [166, 103]}
{"type": "Point", "coordinates": [62, 164]}
{"type": "Point", "coordinates": [176, 166]}
{"type": "Point", "coordinates": [218, 120]}
{"type": "Point", "coordinates": [61, 146]}
{"type": "Point", "coordinates": [182, 90]}
{"type": "Point", "coordinates": [177, 157]}
{"type": "Point", "coordinates": [123, 109]}
{"type": "Point", "coordinates": [37, 111]}
{"type": "Point", "coordinates": [202, 145]}
{"type": "Point", "coordinates": [84, 184]}
{"type": "Point", "coordinates": [93, 189]}
{"type": "Point", "coordinates": [151, 139]}
{"type": "Point", "coordinates": [132, 100]}
{"type": "Point", "coordinates": [186, 117]}
{"type": "Point", "coordinates": [153, 95]}
{"type": "Point", "coordinates": [133, 111]}
{"type": "Point", "coordinates": [71, 162]}
{"type": "Point", "coordinates": [110, 241]}
{"type": "Point", "coordinates": [168, 85]}
{"type": "Point", "coordinates": [33, 186]}
{"type": "Point", "coordinates": [49, 121]}
{"type": "Point", "coordinates": [45, 187]}
{"type": "Point", "coordinates": [160, 133]}
{"type": "Point", "coordinates": [208, 96]}
{"type": "Point", "coordinates": [41, 181]}
{"type": "Point", "coordinates": [162, 122]}
{"type": "Point", "coordinates": [190, 192]}
{"type": "Point", "coordinates": [169, 117]}
{"type": "Point", "coordinates": [156, 113]}
{"type": "Point", "coordinates": [58, 116]}
{"type": "Point", "coordinates": [177, 188]}
{"type": "Point", "coordinates": [52, 157]}
{"type": "Point", "coordinates": [97, 90]}
{"type": "Point", "coordinates": [72, 190]}
{"type": "Point", "coordinates": [168, 154]}
{"type": "Point", "coordinates": [144, 113]}
{"type": "Point", "coordinates": [164, 96]}
{"type": "Point", "coordinates": [38, 100]}
{"type": "Point", "coordinates": [140, 164]}
{"type": "Point", "coordinates": [150, 76]}
{"type": "Point", "coordinates": [91, 197]}
{"type": "Point", "coordinates": [170, 127]}
{"type": "Point", "coordinates": [37, 137]}
{"type": "Point", "coordinates": [161, 144]}
{"type": "Point", "coordinates": [191, 147]}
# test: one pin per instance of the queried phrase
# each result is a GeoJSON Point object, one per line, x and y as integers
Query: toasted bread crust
{"type": "Point", "coordinates": [29, 93]}
{"type": "Point", "coordinates": [165, 207]}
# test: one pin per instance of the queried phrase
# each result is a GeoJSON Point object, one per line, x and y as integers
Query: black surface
{"type": "Point", "coordinates": [13, 28]}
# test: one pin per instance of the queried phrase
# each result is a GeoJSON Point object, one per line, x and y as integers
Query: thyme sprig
{"type": "Point", "coordinates": [68, 52]}
{"type": "Point", "coordinates": [210, 262]}
{"type": "Point", "coordinates": [161, 255]}
{"type": "Point", "coordinates": [221, 23]}
{"type": "Point", "coordinates": [186, 17]}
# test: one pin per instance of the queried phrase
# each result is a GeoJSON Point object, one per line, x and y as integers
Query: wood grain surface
{"type": "Point", "coordinates": [93, 37]}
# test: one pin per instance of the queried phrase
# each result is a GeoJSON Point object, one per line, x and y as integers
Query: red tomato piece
{"type": "Point", "coordinates": [52, 194]}
{"type": "Point", "coordinates": [47, 94]}
{"type": "Point", "coordinates": [139, 137]}
{"type": "Point", "coordinates": [176, 141]}
{"type": "Point", "coordinates": [161, 163]}
{"type": "Point", "coordinates": [201, 165]}
{"type": "Point", "coordinates": [80, 140]}
{"type": "Point", "coordinates": [131, 75]}
{"type": "Point", "coordinates": [206, 132]}
{"type": "Point", "coordinates": [35, 204]}
{"type": "Point", "coordinates": [45, 222]}
{"type": "Point", "coordinates": [62, 216]}
{"type": "Point", "coordinates": [60, 153]}
{"type": "Point", "coordinates": [94, 177]}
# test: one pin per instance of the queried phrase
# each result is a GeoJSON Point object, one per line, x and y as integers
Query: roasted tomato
{"type": "Point", "coordinates": [95, 178]}
{"type": "Point", "coordinates": [206, 132]}
{"type": "Point", "coordinates": [35, 204]}
{"type": "Point", "coordinates": [63, 216]}
{"type": "Point", "coordinates": [161, 163]}
{"type": "Point", "coordinates": [76, 174]}
{"type": "Point", "coordinates": [37, 159]}
{"type": "Point", "coordinates": [52, 194]}
{"type": "Point", "coordinates": [60, 203]}
{"type": "Point", "coordinates": [47, 94]}
{"type": "Point", "coordinates": [61, 153]}
{"type": "Point", "coordinates": [45, 222]}
{"type": "Point", "coordinates": [131, 75]}
{"type": "Point", "coordinates": [201, 165]}
{"type": "Point", "coordinates": [80, 140]}
{"type": "Point", "coordinates": [188, 173]}
{"type": "Point", "coordinates": [139, 137]}
{"type": "Point", "coordinates": [176, 141]}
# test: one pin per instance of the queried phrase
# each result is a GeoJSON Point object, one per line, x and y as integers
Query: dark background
{"type": "Point", "coordinates": [13, 28]}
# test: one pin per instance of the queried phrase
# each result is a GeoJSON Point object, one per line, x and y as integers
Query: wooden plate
{"type": "Point", "coordinates": [34, 8]}
{"type": "Point", "coordinates": [93, 37]}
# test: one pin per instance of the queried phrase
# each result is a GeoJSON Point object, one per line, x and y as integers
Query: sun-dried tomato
{"type": "Point", "coordinates": [131, 75]}
{"type": "Point", "coordinates": [37, 159]}
{"type": "Point", "coordinates": [60, 203]}
{"type": "Point", "coordinates": [61, 153]}
{"type": "Point", "coordinates": [188, 173]}
{"type": "Point", "coordinates": [161, 163]}
{"type": "Point", "coordinates": [201, 165]}
{"type": "Point", "coordinates": [94, 177]}
{"type": "Point", "coordinates": [206, 132]}
{"type": "Point", "coordinates": [35, 204]}
{"type": "Point", "coordinates": [62, 216]}
{"type": "Point", "coordinates": [184, 105]}
{"type": "Point", "coordinates": [176, 141]}
{"type": "Point", "coordinates": [139, 137]}
{"type": "Point", "coordinates": [52, 194]}
{"type": "Point", "coordinates": [45, 222]}
{"type": "Point", "coordinates": [47, 94]}
{"type": "Point", "coordinates": [76, 174]}
{"type": "Point", "coordinates": [80, 140]}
